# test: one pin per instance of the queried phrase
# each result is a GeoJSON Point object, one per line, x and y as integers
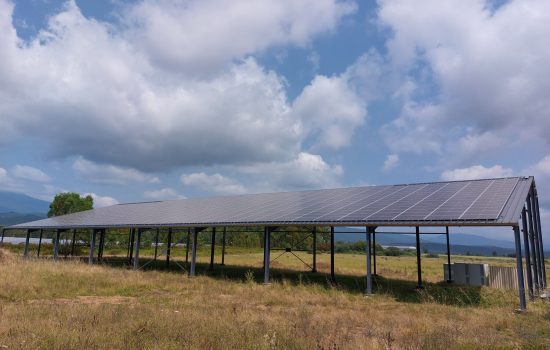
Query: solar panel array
{"type": "Point", "coordinates": [461, 201]}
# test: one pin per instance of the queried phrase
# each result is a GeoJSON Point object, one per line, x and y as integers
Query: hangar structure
{"type": "Point", "coordinates": [500, 202]}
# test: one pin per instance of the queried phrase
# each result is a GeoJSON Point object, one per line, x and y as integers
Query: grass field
{"type": "Point", "coordinates": [70, 305]}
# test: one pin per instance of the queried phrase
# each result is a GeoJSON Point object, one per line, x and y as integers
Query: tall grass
{"type": "Point", "coordinates": [70, 305]}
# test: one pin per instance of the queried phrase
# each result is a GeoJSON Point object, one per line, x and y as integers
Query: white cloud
{"type": "Point", "coordinates": [488, 68]}
{"type": "Point", "coordinates": [163, 194]}
{"type": "Point", "coordinates": [110, 174]}
{"type": "Point", "coordinates": [29, 173]}
{"type": "Point", "coordinates": [306, 171]}
{"type": "Point", "coordinates": [392, 160]}
{"type": "Point", "coordinates": [3, 175]}
{"type": "Point", "coordinates": [158, 82]}
{"type": "Point", "coordinates": [476, 172]}
{"type": "Point", "coordinates": [100, 201]}
{"type": "Point", "coordinates": [215, 183]}
{"type": "Point", "coordinates": [203, 35]}
{"type": "Point", "coordinates": [331, 109]}
{"type": "Point", "coordinates": [541, 172]}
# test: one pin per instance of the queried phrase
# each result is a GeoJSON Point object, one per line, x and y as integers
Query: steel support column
{"type": "Point", "coordinates": [131, 245]}
{"type": "Point", "coordinates": [332, 254]}
{"type": "Point", "coordinates": [39, 242]}
{"type": "Point", "coordinates": [101, 245]}
{"type": "Point", "coordinates": [56, 244]}
{"type": "Point", "coordinates": [314, 265]}
{"type": "Point", "coordinates": [168, 247]}
{"type": "Point", "coordinates": [519, 267]}
{"type": "Point", "coordinates": [187, 245]}
{"type": "Point", "coordinates": [449, 269]}
{"type": "Point", "coordinates": [27, 238]}
{"type": "Point", "coordinates": [374, 251]}
{"type": "Point", "coordinates": [267, 248]}
{"type": "Point", "coordinates": [539, 229]}
{"type": "Point", "coordinates": [73, 242]}
{"type": "Point", "coordinates": [528, 266]}
{"type": "Point", "coordinates": [537, 238]}
{"type": "Point", "coordinates": [223, 245]}
{"type": "Point", "coordinates": [92, 247]}
{"type": "Point", "coordinates": [212, 248]}
{"type": "Point", "coordinates": [136, 253]}
{"type": "Point", "coordinates": [157, 244]}
{"type": "Point", "coordinates": [368, 277]}
{"type": "Point", "coordinates": [194, 253]}
{"type": "Point", "coordinates": [533, 234]}
{"type": "Point", "coordinates": [418, 259]}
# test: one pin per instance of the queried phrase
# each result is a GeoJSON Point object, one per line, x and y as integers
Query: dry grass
{"type": "Point", "coordinates": [69, 305]}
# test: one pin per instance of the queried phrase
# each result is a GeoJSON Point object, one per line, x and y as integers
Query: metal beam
{"type": "Point", "coordinates": [131, 244]}
{"type": "Point", "coordinates": [39, 242]}
{"type": "Point", "coordinates": [314, 266]}
{"type": "Point", "coordinates": [332, 254]}
{"type": "Point", "coordinates": [533, 233]}
{"type": "Point", "coordinates": [187, 245]}
{"type": "Point", "coordinates": [56, 244]}
{"type": "Point", "coordinates": [374, 251]}
{"type": "Point", "coordinates": [73, 242]}
{"type": "Point", "coordinates": [539, 229]}
{"type": "Point", "coordinates": [449, 269]}
{"type": "Point", "coordinates": [368, 277]}
{"type": "Point", "coordinates": [92, 247]}
{"type": "Point", "coordinates": [418, 259]}
{"type": "Point", "coordinates": [538, 246]}
{"type": "Point", "coordinates": [212, 248]}
{"type": "Point", "coordinates": [27, 238]}
{"type": "Point", "coordinates": [136, 253]}
{"type": "Point", "coordinates": [519, 268]}
{"type": "Point", "coordinates": [157, 243]}
{"type": "Point", "coordinates": [223, 245]}
{"type": "Point", "coordinates": [194, 253]}
{"type": "Point", "coordinates": [267, 246]}
{"type": "Point", "coordinates": [168, 246]}
{"type": "Point", "coordinates": [528, 266]}
{"type": "Point", "coordinates": [101, 245]}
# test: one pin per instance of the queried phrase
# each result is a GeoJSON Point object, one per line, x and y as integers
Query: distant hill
{"type": "Point", "coordinates": [460, 243]}
{"type": "Point", "coordinates": [408, 239]}
{"type": "Point", "coordinates": [11, 218]}
{"type": "Point", "coordinates": [22, 204]}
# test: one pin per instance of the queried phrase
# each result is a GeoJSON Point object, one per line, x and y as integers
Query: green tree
{"type": "Point", "coordinates": [70, 202]}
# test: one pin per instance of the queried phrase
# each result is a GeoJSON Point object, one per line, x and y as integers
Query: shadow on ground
{"type": "Point", "coordinates": [400, 290]}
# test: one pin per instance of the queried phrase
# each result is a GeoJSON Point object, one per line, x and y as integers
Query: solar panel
{"type": "Point", "coordinates": [421, 209]}
{"type": "Point", "coordinates": [491, 202]}
{"type": "Point", "coordinates": [455, 206]}
{"type": "Point", "coordinates": [479, 201]}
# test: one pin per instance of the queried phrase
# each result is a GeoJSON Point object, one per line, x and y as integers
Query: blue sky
{"type": "Point", "coordinates": [149, 100]}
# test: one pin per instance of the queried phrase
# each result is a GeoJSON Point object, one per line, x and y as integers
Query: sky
{"type": "Point", "coordinates": [150, 100]}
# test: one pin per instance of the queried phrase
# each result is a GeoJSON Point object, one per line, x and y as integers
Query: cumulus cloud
{"type": "Point", "coordinates": [392, 160]}
{"type": "Point", "coordinates": [215, 183]}
{"type": "Point", "coordinates": [110, 174]}
{"type": "Point", "coordinates": [487, 65]}
{"type": "Point", "coordinates": [163, 194]}
{"type": "Point", "coordinates": [203, 35]}
{"type": "Point", "coordinates": [541, 171]}
{"type": "Point", "coordinates": [158, 82]}
{"type": "Point", "coordinates": [3, 175]}
{"type": "Point", "coordinates": [331, 109]}
{"type": "Point", "coordinates": [304, 172]}
{"type": "Point", "coordinates": [29, 173]}
{"type": "Point", "coordinates": [476, 172]}
{"type": "Point", "coordinates": [102, 201]}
